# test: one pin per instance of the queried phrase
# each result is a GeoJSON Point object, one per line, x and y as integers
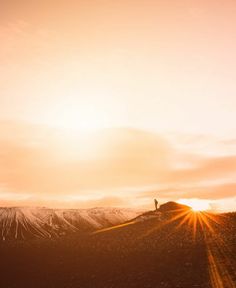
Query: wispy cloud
{"type": "Point", "coordinates": [121, 165]}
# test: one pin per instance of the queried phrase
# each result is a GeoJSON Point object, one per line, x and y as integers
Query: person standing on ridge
{"type": "Point", "coordinates": [156, 204]}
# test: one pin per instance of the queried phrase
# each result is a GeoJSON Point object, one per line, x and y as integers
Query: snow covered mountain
{"type": "Point", "coordinates": [36, 222]}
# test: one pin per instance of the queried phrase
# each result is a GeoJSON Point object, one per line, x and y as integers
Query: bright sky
{"type": "Point", "coordinates": [102, 101]}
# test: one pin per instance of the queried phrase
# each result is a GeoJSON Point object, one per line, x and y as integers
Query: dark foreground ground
{"type": "Point", "coordinates": [179, 251]}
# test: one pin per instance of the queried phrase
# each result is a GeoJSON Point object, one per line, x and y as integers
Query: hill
{"type": "Point", "coordinates": [182, 249]}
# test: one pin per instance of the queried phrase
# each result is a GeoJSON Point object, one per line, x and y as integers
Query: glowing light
{"type": "Point", "coordinates": [84, 118]}
{"type": "Point", "coordinates": [196, 204]}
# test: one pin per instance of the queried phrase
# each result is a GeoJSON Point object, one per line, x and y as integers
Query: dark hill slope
{"type": "Point", "coordinates": [173, 207]}
{"type": "Point", "coordinates": [141, 254]}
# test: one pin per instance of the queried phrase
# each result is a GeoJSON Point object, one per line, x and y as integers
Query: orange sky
{"type": "Point", "coordinates": [117, 102]}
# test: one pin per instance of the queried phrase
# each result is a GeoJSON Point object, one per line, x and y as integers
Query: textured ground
{"type": "Point", "coordinates": [172, 250]}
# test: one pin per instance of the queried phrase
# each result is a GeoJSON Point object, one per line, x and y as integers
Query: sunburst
{"type": "Point", "coordinates": [220, 266]}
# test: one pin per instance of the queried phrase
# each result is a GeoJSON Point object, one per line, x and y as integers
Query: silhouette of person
{"type": "Point", "coordinates": [156, 203]}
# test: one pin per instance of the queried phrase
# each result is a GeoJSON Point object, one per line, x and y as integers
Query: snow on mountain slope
{"type": "Point", "coordinates": [28, 222]}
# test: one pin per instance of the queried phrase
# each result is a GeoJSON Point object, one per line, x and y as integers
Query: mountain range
{"type": "Point", "coordinates": [39, 222]}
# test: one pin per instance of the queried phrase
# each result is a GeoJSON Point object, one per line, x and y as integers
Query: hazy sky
{"type": "Point", "coordinates": [158, 75]}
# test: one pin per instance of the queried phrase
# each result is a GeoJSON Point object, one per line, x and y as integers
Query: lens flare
{"type": "Point", "coordinates": [196, 204]}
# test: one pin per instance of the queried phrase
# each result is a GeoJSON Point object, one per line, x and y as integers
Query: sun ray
{"type": "Point", "coordinates": [181, 213]}
{"type": "Point", "coordinates": [113, 227]}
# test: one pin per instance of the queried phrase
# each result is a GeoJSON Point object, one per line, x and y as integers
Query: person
{"type": "Point", "coordinates": [156, 203]}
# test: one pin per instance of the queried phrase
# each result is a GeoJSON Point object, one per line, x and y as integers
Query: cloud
{"type": "Point", "coordinates": [206, 169]}
{"type": "Point", "coordinates": [182, 190]}
{"type": "Point", "coordinates": [121, 157]}
{"type": "Point", "coordinates": [115, 164]}
{"type": "Point", "coordinates": [12, 199]}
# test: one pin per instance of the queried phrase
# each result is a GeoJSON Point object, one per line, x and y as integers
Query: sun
{"type": "Point", "coordinates": [83, 118]}
{"type": "Point", "coordinates": [196, 204]}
